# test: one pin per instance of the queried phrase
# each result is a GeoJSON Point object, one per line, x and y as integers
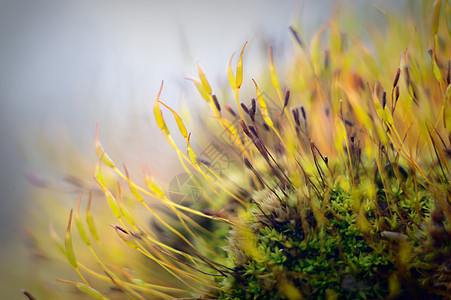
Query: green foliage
{"type": "Point", "coordinates": [334, 255]}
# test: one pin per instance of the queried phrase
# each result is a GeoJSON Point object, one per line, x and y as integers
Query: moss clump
{"type": "Point", "coordinates": [318, 244]}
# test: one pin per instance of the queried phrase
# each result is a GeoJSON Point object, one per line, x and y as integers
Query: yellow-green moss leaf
{"type": "Point", "coordinates": [111, 200]}
{"type": "Point", "coordinates": [90, 220]}
{"type": "Point", "coordinates": [179, 121]}
{"type": "Point", "coordinates": [230, 74]}
{"type": "Point", "coordinates": [159, 118]}
{"type": "Point", "coordinates": [192, 156]}
{"type": "Point", "coordinates": [101, 152]}
{"type": "Point", "coordinates": [201, 89]}
{"type": "Point", "coordinates": [57, 240]}
{"type": "Point", "coordinates": [90, 291]}
{"type": "Point", "coordinates": [203, 79]}
{"type": "Point", "coordinates": [263, 107]}
{"type": "Point", "coordinates": [80, 226]}
{"type": "Point", "coordinates": [436, 70]}
{"type": "Point", "coordinates": [239, 69]}
{"type": "Point", "coordinates": [68, 243]}
{"type": "Point", "coordinates": [273, 74]}
{"type": "Point", "coordinates": [436, 16]}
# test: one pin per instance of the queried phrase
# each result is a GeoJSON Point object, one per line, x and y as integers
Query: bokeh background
{"type": "Point", "coordinates": [66, 66]}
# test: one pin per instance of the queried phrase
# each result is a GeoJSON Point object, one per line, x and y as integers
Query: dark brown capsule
{"type": "Point", "coordinates": [304, 115]}
{"type": "Point", "coordinates": [28, 294]}
{"type": "Point", "coordinates": [395, 81]}
{"type": "Point", "coordinates": [287, 97]}
{"type": "Point", "coordinates": [296, 36]}
{"type": "Point", "coordinates": [407, 74]}
{"type": "Point", "coordinates": [253, 109]}
{"type": "Point", "coordinates": [203, 161]}
{"type": "Point", "coordinates": [218, 107]}
{"type": "Point", "coordinates": [230, 110]}
{"type": "Point", "coordinates": [397, 93]}
{"type": "Point", "coordinates": [254, 130]}
{"type": "Point", "coordinates": [448, 72]}
{"type": "Point", "coordinates": [347, 122]}
{"type": "Point", "coordinates": [245, 129]}
{"type": "Point", "coordinates": [384, 99]}
{"type": "Point", "coordinates": [295, 112]}
{"type": "Point", "coordinates": [244, 107]}
{"type": "Point", "coordinates": [248, 164]}
{"type": "Point", "coordinates": [414, 92]}
{"type": "Point", "coordinates": [118, 227]}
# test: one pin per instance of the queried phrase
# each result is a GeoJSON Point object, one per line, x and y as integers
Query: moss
{"type": "Point", "coordinates": [332, 255]}
{"type": "Point", "coordinates": [340, 190]}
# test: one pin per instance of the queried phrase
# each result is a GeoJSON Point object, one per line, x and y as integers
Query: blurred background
{"type": "Point", "coordinates": [66, 66]}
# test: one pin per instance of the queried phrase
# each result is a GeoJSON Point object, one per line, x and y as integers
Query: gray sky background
{"type": "Point", "coordinates": [72, 64]}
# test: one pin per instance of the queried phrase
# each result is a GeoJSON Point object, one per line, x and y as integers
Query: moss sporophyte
{"type": "Point", "coordinates": [338, 187]}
